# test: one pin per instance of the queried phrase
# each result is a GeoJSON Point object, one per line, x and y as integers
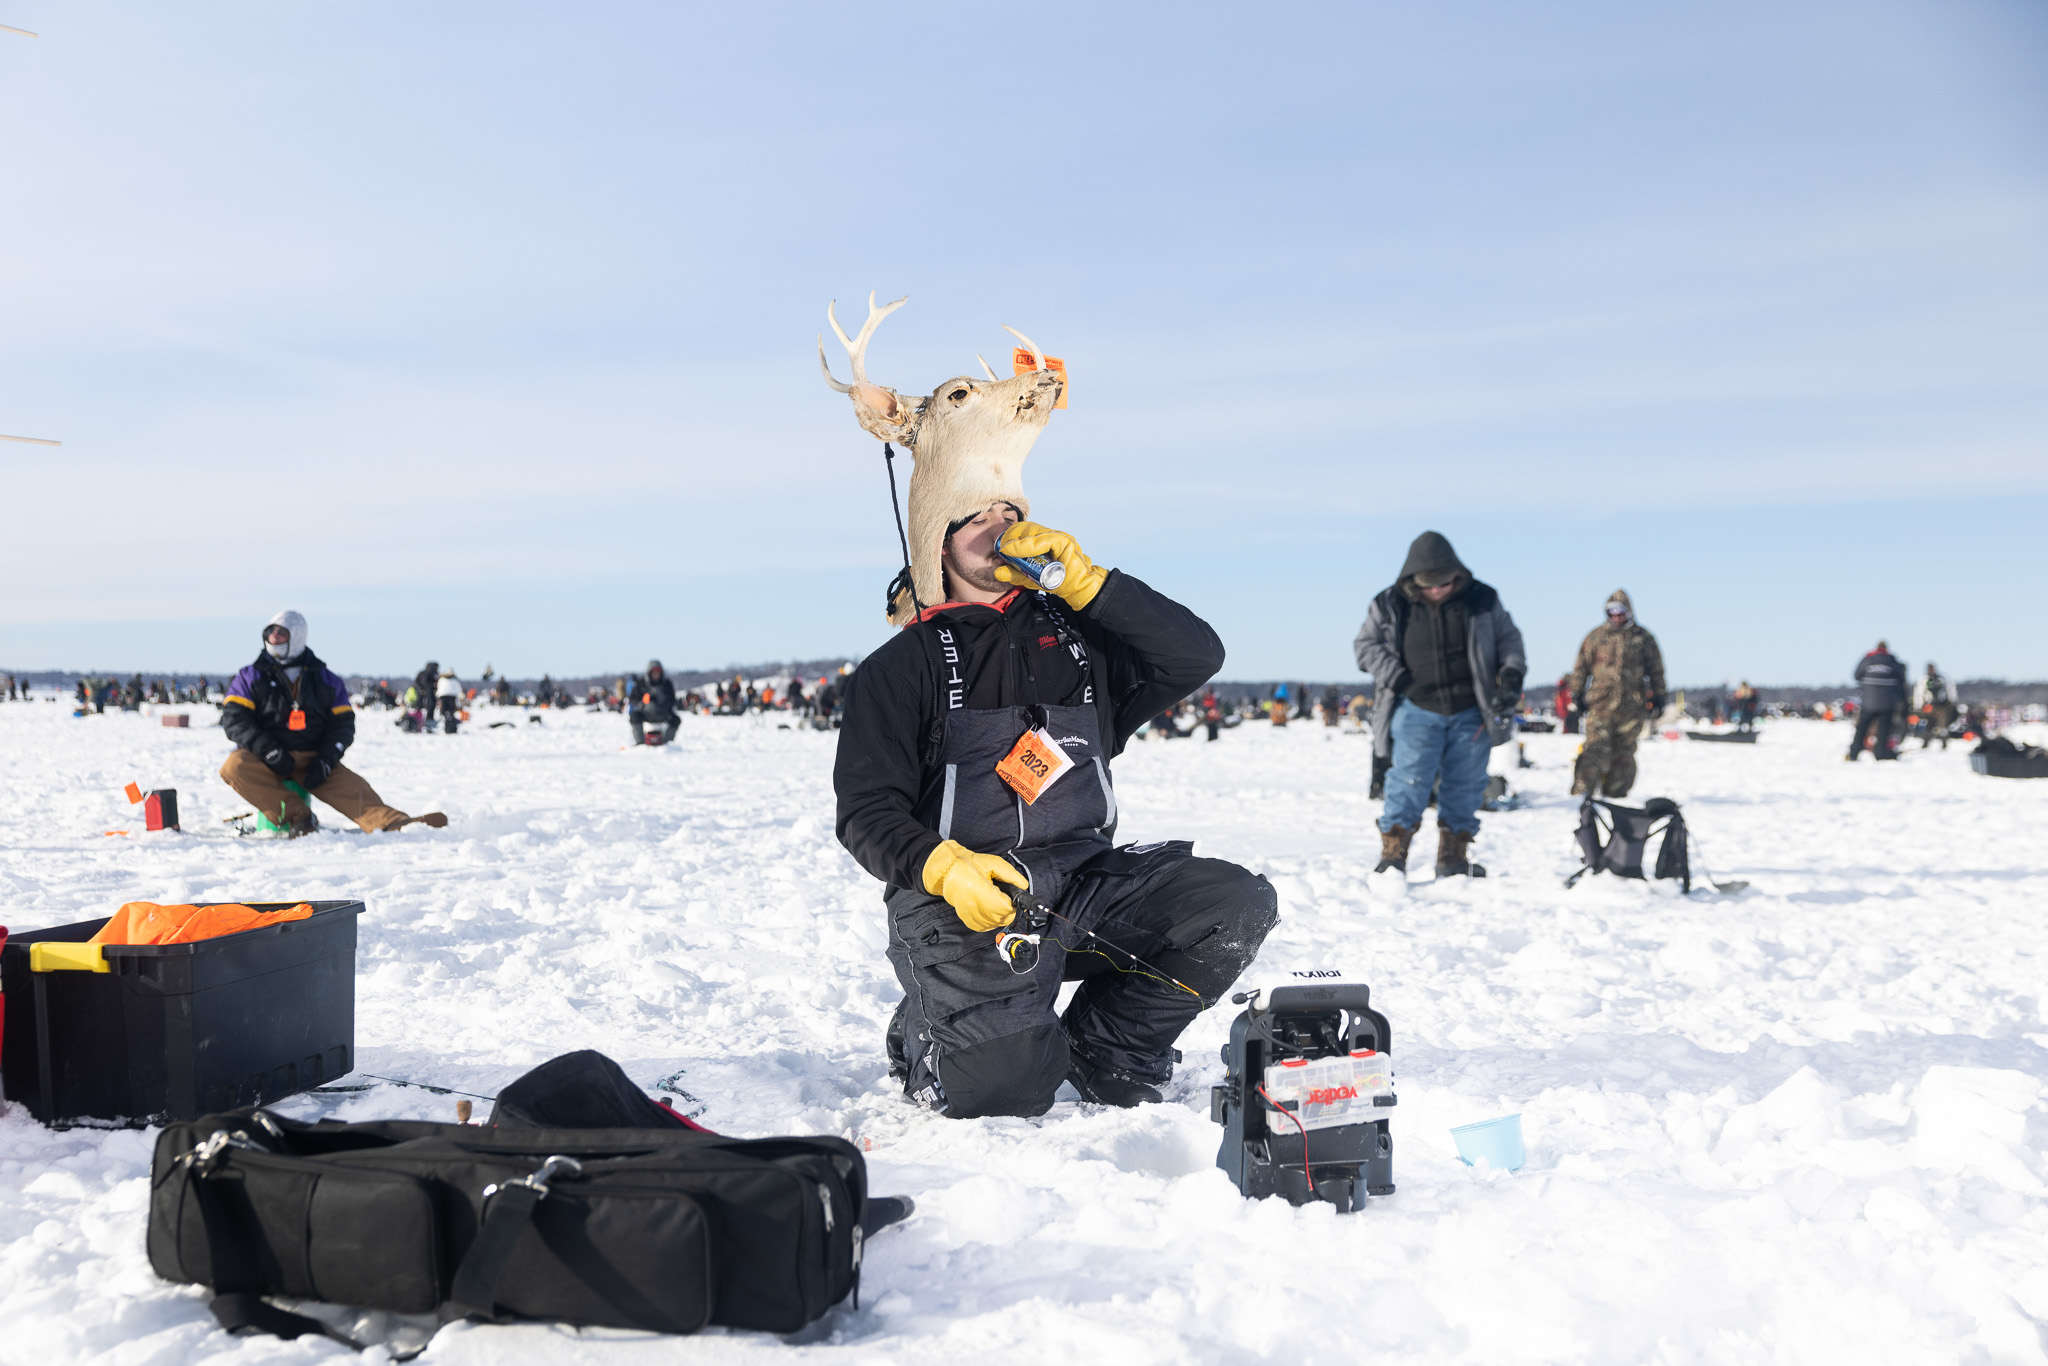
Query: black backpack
{"type": "Point", "coordinates": [658, 1226]}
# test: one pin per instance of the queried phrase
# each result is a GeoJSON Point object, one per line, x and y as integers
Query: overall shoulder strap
{"type": "Point", "coordinates": [935, 660]}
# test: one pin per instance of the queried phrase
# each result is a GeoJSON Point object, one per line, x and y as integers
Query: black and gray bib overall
{"type": "Point", "coordinates": [980, 1037]}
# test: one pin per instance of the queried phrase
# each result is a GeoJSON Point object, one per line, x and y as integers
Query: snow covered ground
{"type": "Point", "coordinates": [1802, 1123]}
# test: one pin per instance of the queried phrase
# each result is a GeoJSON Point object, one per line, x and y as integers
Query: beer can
{"type": "Point", "coordinates": [1043, 570]}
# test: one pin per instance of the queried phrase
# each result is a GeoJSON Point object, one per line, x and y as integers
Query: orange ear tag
{"type": "Point", "coordinates": [1036, 763]}
{"type": "Point", "coordinates": [1020, 364]}
{"type": "Point", "coordinates": [296, 721]}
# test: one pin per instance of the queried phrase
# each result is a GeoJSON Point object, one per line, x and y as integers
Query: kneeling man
{"type": "Point", "coordinates": [291, 721]}
{"type": "Point", "coordinates": [934, 720]}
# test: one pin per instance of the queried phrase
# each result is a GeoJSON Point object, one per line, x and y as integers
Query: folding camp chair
{"type": "Point", "coordinates": [1613, 839]}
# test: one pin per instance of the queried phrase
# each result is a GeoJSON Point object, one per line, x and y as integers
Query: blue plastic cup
{"type": "Point", "coordinates": [1496, 1142]}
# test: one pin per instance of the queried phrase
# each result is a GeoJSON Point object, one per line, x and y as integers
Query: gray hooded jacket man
{"type": "Point", "coordinates": [1494, 664]}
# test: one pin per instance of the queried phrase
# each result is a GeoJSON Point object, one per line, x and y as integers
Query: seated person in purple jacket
{"type": "Point", "coordinates": [291, 721]}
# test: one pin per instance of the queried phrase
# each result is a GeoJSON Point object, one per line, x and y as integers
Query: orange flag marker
{"type": "Point", "coordinates": [1020, 364]}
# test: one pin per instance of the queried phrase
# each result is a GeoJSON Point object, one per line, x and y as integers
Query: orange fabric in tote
{"type": "Point", "coordinates": [145, 922]}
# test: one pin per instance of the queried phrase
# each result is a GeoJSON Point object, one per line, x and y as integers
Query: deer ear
{"type": "Point", "coordinates": [879, 401]}
{"type": "Point", "coordinates": [883, 413]}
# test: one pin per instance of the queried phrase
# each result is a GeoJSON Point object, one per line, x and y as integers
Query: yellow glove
{"type": "Point", "coordinates": [967, 881]}
{"type": "Point", "coordinates": [1025, 539]}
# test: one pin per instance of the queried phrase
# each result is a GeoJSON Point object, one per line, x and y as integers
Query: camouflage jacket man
{"type": "Point", "coordinates": [1620, 670]}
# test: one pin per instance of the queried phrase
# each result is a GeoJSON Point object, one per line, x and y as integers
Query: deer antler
{"type": "Point", "coordinates": [1037, 356]}
{"type": "Point", "coordinates": [984, 366]}
{"type": "Point", "coordinates": [856, 347]}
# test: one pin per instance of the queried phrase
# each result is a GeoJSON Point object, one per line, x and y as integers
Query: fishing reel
{"type": "Point", "coordinates": [1307, 1093]}
{"type": "Point", "coordinates": [1018, 945]}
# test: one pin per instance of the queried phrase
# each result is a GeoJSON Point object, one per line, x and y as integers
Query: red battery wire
{"type": "Point", "coordinates": [1304, 1140]}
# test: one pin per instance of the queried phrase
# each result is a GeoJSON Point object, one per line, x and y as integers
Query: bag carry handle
{"type": "Point", "coordinates": [508, 1209]}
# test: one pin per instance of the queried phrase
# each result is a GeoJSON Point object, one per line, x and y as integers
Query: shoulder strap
{"type": "Point", "coordinates": [242, 1312]}
{"type": "Point", "coordinates": [935, 734]}
{"type": "Point", "coordinates": [474, 1291]}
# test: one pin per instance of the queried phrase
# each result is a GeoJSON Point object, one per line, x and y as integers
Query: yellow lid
{"type": "Point", "coordinates": [47, 957]}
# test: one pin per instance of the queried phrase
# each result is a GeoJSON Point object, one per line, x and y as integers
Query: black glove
{"type": "Point", "coordinates": [1509, 695]}
{"type": "Point", "coordinates": [276, 760]}
{"type": "Point", "coordinates": [1656, 703]}
{"type": "Point", "coordinates": [1398, 684]}
{"type": "Point", "coordinates": [318, 771]}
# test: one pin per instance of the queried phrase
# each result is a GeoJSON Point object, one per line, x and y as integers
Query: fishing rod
{"type": "Point", "coordinates": [397, 1081]}
{"type": "Point", "coordinates": [1020, 951]}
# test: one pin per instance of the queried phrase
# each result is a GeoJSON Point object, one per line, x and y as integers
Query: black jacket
{"type": "Point", "coordinates": [1883, 679]}
{"type": "Point", "coordinates": [1143, 651]}
{"type": "Point", "coordinates": [1494, 661]}
{"type": "Point", "coordinates": [1433, 651]}
{"type": "Point", "coordinates": [653, 700]}
{"type": "Point", "coordinates": [257, 715]}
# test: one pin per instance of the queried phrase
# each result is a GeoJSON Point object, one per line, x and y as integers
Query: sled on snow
{"type": "Point", "coordinates": [2001, 758]}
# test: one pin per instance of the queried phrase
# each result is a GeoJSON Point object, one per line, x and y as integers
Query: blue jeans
{"type": "Point", "coordinates": [1427, 746]}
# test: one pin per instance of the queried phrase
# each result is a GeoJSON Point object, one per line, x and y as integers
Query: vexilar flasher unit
{"type": "Point", "coordinates": [1308, 1092]}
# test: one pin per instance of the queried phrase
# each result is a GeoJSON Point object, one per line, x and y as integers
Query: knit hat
{"type": "Point", "coordinates": [969, 439]}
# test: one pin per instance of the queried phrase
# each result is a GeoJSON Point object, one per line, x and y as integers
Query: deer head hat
{"type": "Point", "coordinates": [969, 438]}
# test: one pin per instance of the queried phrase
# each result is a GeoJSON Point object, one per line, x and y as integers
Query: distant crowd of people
{"type": "Point", "coordinates": [1410, 645]}
{"type": "Point", "coordinates": [655, 712]}
{"type": "Point", "coordinates": [649, 701]}
{"type": "Point", "coordinates": [96, 694]}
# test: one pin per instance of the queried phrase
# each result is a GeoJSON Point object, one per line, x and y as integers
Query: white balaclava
{"type": "Point", "coordinates": [296, 624]}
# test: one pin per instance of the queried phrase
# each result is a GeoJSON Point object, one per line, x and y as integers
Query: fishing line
{"type": "Point", "coordinates": [1115, 966]}
{"type": "Point", "coordinates": [906, 576]}
{"type": "Point", "coordinates": [1157, 973]}
{"type": "Point", "coordinates": [1725, 888]}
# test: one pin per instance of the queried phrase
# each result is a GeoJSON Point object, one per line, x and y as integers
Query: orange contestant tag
{"type": "Point", "coordinates": [1020, 364]}
{"type": "Point", "coordinates": [1035, 764]}
{"type": "Point", "coordinates": [296, 721]}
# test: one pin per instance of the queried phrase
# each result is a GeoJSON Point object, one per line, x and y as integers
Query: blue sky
{"type": "Point", "coordinates": [486, 331]}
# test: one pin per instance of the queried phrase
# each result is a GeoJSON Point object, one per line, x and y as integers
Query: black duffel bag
{"type": "Point", "coordinates": [653, 1228]}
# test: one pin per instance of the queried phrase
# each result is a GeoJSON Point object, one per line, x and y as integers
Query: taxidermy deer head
{"type": "Point", "coordinates": [969, 438]}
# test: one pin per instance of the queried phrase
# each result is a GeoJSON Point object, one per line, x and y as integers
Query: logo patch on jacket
{"type": "Point", "coordinates": [1047, 642]}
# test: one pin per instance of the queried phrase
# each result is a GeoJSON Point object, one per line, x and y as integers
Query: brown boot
{"type": "Point", "coordinates": [1451, 848]}
{"type": "Point", "coordinates": [1394, 848]}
